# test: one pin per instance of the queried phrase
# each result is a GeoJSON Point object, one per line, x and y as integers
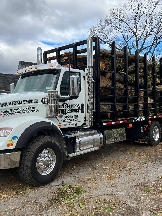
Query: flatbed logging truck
{"type": "Point", "coordinates": [60, 109]}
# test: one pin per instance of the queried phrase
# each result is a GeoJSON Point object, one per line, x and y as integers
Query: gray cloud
{"type": "Point", "coordinates": [24, 24]}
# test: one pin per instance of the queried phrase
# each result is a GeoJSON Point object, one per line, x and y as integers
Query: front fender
{"type": "Point", "coordinates": [26, 128]}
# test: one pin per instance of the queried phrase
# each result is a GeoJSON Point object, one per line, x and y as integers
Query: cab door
{"type": "Point", "coordinates": [71, 108]}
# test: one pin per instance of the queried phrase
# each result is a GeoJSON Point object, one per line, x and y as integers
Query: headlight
{"type": "Point", "coordinates": [4, 132]}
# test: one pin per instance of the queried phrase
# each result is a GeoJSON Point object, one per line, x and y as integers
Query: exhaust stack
{"type": "Point", "coordinates": [39, 55]}
{"type": "Point", "coordinates": [89, 52]}
{"type": "Point", "coordinates": [12, 86]}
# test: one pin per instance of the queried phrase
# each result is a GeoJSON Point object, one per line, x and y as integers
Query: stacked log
{"type": "Point", "coordinates": [105, 64]}
{"type": "Point", "coordinates": [106, 81]}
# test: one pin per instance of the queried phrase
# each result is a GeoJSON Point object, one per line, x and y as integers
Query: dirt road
{"type": "Point", "coordinates": [119, 179]}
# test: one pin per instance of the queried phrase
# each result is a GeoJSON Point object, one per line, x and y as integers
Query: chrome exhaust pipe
{"type": "Point", "coordinates": [39, 55]}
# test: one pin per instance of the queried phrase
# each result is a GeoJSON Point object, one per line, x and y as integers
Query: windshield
{"type": "Point", "coordinates": [37, 81]}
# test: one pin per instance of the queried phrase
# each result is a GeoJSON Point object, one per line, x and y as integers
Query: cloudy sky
{"type": "Point", "coordinates": [27, 24]}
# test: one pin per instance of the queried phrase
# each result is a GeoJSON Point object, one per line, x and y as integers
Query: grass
{"type": "Point", "coordinates": [74, 200]}
{"type": "Point", "coordinates": [69, 197]}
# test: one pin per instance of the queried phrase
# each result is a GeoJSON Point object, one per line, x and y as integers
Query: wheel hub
{"type": "Point", "coordinates": [156, 133]}
{"type": "Point", "coordinates": [46, 161]}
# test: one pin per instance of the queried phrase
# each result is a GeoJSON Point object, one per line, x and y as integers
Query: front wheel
{"type": "Point", "coordinates": [40, 161]}
{"type": "Point", "coordinates": [154, 134]}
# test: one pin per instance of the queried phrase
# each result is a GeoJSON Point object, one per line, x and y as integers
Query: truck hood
{"type": "Point", "coordinates": [22, 104]}
{"type": "Point", "coordinates": [18, 96]}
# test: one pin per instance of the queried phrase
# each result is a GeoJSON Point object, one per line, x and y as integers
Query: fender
{"type": "Point", "coordinates": [26, 128]}
{"type": "Point", "coordinates": [42, 127]}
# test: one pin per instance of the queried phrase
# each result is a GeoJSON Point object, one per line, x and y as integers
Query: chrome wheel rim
{"type": "Point", "coordinates": [156, 133]}
{"type": "Point", "coordinates": [46, 161]}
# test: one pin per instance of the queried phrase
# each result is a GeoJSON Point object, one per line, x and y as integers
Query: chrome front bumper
{"type": "Point", "coordinates": [9, 160]}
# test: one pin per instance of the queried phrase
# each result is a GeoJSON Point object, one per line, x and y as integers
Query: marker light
{"type": "Point", "coordinates": [129, 126]}
{"type": "Point", "coordinates": [149, 122]}
{"type": "Point", "coordinates": [4, 132]}
{"type": "Point", "coordinates": [51, 66]}
{"type": "Point", "coordinates": [9, 144]}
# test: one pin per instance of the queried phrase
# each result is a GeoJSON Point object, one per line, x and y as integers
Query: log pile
{"type": "Point", "coordinates": [106, 80]}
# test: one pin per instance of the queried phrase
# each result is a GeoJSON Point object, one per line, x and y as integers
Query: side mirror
{"type": "Point", "coordinates": [74, 85]}
{"type": "Point", "coordinates": [12, 86]}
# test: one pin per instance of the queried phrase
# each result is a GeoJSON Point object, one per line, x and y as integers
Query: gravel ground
{"type": "Point", "coordinates": [119, 179]}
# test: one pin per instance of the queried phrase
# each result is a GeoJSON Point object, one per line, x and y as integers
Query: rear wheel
{"type": "Point", "coordinates": [40, 161]}
{"type": "Point", "coordinates": [154, 134]}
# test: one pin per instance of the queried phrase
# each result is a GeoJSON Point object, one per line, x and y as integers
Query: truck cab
{"type": "Point", "coordinates": [67, 86]}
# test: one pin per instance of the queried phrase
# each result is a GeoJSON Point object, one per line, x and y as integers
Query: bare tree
{"type": "Point", "coordinates": [137, 24]}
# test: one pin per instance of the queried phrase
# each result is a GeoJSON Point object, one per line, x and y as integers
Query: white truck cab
{"type": "Point", "coordinates": [48, 106]}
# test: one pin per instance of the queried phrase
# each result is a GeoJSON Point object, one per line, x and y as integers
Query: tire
{"type": "Point", "coordinates": [40, 161]}
{"type": "Point", "coordinates": [154, 134]}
